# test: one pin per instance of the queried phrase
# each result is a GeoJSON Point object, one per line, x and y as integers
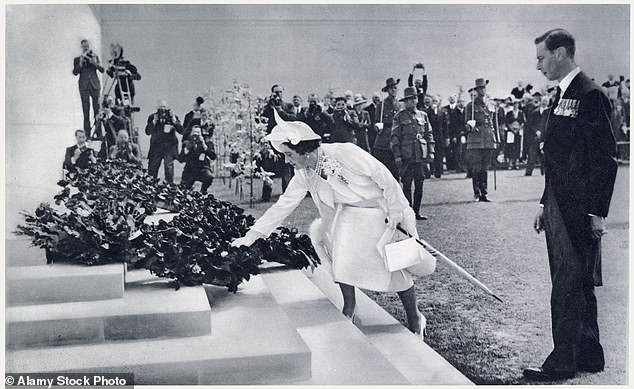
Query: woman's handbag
{"type": "Point", "coordinates": [405, 254]}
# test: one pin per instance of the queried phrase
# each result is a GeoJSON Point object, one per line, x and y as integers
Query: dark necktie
{"type": "Point", "coordinates": [557, 97]}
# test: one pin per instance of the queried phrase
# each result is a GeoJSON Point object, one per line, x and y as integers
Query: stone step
{"type": "Point", "coordinates": [342, 355]}
{"type": "Point", "coordinates": [150, 308]}
{"type": "Point", "coordinates": [63, 283]}
{"type": "Point", "coordinates": [252, 342]}
{"type": "Point", "coordinates": [19, 252]}
{"type": "Point", "coordinates": [415, 360]}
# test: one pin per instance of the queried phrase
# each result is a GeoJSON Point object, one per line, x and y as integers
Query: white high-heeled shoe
{"type": "Point", "coordinates": [422, 331]}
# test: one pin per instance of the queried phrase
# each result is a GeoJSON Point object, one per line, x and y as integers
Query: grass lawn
{"type": "Point", "coordinates": [488, 341]}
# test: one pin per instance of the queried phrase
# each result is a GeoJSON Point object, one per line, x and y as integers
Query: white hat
{"type": "Point", "coordinates": [292, 132]}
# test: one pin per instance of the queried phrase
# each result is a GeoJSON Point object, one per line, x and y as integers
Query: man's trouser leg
{"type": "Point", "coordinates": [474, 156]}
{"type": "Point", "coordinates": [154, 162]}
{"type": "Point", "coordinates": [406, 178]}
{"type": "Point", "coordinates": [206, 178]}
{"type": "Point", "coordinates": [419, 179]}
{"type": "Point", "coordinates": [187, 179]}
{"type": "Point", "coordinates": [572, 256]}
{"type": "Point", "coordinates": [168, 164]}
{"type": "Point", "coordinates": [438, 165]}
{"type": "Point", "coordinates": [532, 156]}
{"type": "Point", "coordinates": [94, 95]}
{"type": "Point", "coordinates": [84, 94]}
{"type": "Point", "coordinates": [487, 157]}
{"type": "Point", "coordinates": [386, 157]}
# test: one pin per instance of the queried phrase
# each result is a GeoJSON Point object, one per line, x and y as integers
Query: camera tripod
{"type": "Point", "coordinates": [124, 101]}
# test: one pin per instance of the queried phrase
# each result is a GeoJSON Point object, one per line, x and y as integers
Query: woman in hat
{"type": "Point", "coordinates": [350, 188]}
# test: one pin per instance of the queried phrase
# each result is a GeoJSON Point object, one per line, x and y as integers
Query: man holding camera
{"type": "Point", "coordinates": [286, 112]}
{"type": "Point", "coordinates": [189, 121]}
{"type": "Point", "coordinates": [125, 72]}
{"type": "Point", "coordinates": [162, 126]}
{"type": "Point", "coordinates": [111, 125]}
{"type": "Point", "coordinates": [79, 155]}
{"type": "Point", "coordinates": [86, 66]}
{"type": "Point", "coordinates": [345, 123]}
{"type": "Point", "coordinates": [318, 120]}
{"type": "Point", "coordinates": [197, 154]}
{"type": "Point", "coordinates": [420, 83]}
{"type": "Point", "coordinates": [412, 142]}
{"type": "Point", "coordinates": [124, 149]}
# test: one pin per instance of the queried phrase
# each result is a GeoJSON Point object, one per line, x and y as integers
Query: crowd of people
{"type": "Point", "coordinates": [403, 139]}
{"type": "Point", "coordinates": [468, 134]}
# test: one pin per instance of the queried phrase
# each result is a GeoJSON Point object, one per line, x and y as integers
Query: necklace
{"type": "Point", "coordinates": [315, 175]}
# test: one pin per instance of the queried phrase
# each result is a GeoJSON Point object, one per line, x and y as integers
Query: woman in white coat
{"type": "Point", "coordinates": [354, 194]}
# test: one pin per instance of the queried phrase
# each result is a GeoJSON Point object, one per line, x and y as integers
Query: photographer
{"type": "Point", "coordinates": [200, 119]}
{"type": "Point", "coordinates": [79, 155]}
{"type": "Point", "coordinates": [285, 110]}
{"type": "Point", "coordinates": [124, 149]}
{"type": "Point", "coordinates": [345, 123]}
{"type": "Point", "coordinates": [197, 154]}
{"type": "Point", "coordinates": [125, 72]}
{"type": "Point", "coordinates": [318, 120]}
{"type": "Point", "coordinates": [111, 125]}
{"type": "Point", "coordinates": [162, 126]}
{"type": "Point", "coordinates": [86, 66]}
{"type": "Point", "coordinates": [193, 114]}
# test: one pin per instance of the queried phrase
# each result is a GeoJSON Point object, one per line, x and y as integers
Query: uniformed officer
{"type": "Point", "coordinates": [482, 139]}
{"type": "Point", "coordinates": [412, 143]}
{"type": "Point", "coordinates": [381, 149]}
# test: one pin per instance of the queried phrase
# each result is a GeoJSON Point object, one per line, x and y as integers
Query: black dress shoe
{"type": "Point", "coordinates": [421, 217]}
{"type": "Point", "coordinates": [589, 368]}
{"type": "Point", "coordinates": [538, 374]}
{"type": "Point", "coordinates": [484, 199]}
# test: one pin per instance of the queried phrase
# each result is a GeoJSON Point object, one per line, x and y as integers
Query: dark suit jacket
{"type": "Point", "coordinates": [82, 162]}
{"type": "Point", "coordinates": [580, 150]}
{"type": "Point", "coordinates": [87, 74]}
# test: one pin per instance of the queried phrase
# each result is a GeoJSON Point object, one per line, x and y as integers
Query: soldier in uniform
{"type": "Point", "coordinates": [383, 125]}
{"type": "Point", "coordinates": [412, 143]}
{"type": "Point", "coordinates": [482, 139]}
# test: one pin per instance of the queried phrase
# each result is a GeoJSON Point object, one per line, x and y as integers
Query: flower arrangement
{"type": "Point", "coordinates": [98, 218]}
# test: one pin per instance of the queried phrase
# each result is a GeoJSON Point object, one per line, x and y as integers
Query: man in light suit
{"type": "Point", "coordinates": [86, 66]}
{"type": "Point", "coordinates": [580, 150]}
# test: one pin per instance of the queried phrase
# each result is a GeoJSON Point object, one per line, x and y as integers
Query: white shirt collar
{"type": "Point", "coordinates": [565, 82]}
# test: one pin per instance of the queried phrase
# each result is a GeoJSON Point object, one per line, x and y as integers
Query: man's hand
{"type": "Point", "coordinates": [446, 142]}
{"type": "Point", "coordinates": [155, 119]}
{"type": "Point", "coordinates": [598, 226]}
{"type": "Point", "coordinates": [538, 223]}
{"type": "Point", "coordinates": [471, 123]}
{"type": "Point", "coordinates": [379, 127]}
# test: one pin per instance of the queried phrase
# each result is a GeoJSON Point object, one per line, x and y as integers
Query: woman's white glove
{"type": "Point", "coordinates": [394, 219]}
{"type": "Point", "coordinates": [248, 239]}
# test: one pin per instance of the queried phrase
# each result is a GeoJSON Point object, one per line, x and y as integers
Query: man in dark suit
{"type": "Point", "coordinates": [79, 155]}
{"type": "Point", "coordinates": [125, 72]}
{"type": "Point", "coordinates": [162, 127]}
{"type": "Point", "coordinates": [580, 150]}
{"type": "Point", "coordinates": [536, 126]}
{"type": "Point", "coordinates": [188, 122]}
{"type": "Point", "coordinates": [86, 66]}
{"type": "Point", "coordinates": [286, 112]}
